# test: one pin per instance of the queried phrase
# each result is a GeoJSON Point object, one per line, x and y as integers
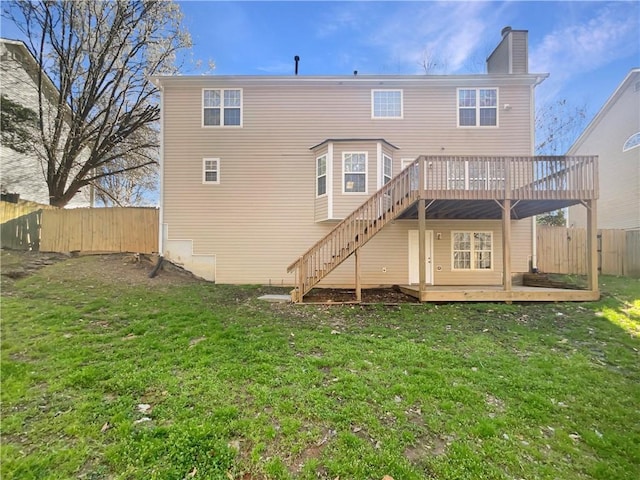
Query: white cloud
{"type": "Point", "coordinates": [450, 34]}
{"type": "Point", "coordinates": [584, 46]}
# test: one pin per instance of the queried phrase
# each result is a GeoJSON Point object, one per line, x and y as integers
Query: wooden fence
{"type": "Point", "coordinates": [10, 210]}
{"type": "Point", "coordinates": [20, 224]}
{"type": "Point", "coordinates": [564, 250]}
{"type": "Point", "coordinates": [100, 230]}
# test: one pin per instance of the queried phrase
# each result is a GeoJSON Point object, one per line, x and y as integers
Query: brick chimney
{"type": "Point", "coordinates": [512, 53]}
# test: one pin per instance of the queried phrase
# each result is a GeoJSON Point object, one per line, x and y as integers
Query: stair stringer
{"type": "Point", "coordinates": [355, 230]}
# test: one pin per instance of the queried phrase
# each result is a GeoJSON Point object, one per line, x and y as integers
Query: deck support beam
{"type": "Point", "coordinates": [592, 246]}
{"type": "Point", "coordinates": [506, 245]}
{"type": "Point", "coordinates": [422, 254]}
{"type": "Point", "coordinates": [358, 277]}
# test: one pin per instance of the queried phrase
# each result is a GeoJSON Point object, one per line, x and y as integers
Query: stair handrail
{"type": "Point", "coordinates": [402, 191]}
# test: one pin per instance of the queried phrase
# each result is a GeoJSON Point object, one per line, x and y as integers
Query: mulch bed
{"type": "Point", "coordinates": [370, 295]}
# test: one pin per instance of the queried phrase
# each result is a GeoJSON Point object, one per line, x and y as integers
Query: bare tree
{"type": "Point", "coordinates": [432, 63]}
{"type": "Point", "coordinates": [98, 56]}
{"type": "Point", "coordinates": [558, 124]}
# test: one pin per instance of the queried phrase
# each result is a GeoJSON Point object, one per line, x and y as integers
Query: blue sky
{"type": "Point", "coordinates": [587, 47]}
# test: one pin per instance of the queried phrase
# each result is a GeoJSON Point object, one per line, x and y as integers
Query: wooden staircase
{"type": "Point", "coordinates": [355, 231]}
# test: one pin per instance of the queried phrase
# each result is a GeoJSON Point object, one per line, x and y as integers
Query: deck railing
{"type": "Point", "coordinates": [446, 178]}
{"type": "Point", "coordinates": [516, 178]}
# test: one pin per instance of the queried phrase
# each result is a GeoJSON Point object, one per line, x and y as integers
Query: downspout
{"type": "Point", "coordinates": [161, 185]}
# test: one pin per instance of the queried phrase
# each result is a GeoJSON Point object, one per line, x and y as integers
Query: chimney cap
{"type": "Point", "coordinates": [505, 30]}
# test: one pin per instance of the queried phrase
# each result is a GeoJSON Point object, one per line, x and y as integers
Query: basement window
{"type": "Point", "coordinates": [221, 107]}
{"type": "Point", "coordinates": [477, 107]}
{"type": "Point", "coordinates": [472, 250]}
{"type": "Point", "coordinates": [211, 170]}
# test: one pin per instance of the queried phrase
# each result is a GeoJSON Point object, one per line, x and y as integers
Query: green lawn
{"type": "Point", "coordinates": [104, 379]}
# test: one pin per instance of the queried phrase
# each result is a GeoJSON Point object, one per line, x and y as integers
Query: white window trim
{"type": "Point", "coordinates": [373, 92]}
{"type": "Point", "coordinates": [222, 107]}
{"type": "Point", "coordinates": [632, 142]}
{"type": "Point", "coordinates": [366, 173]}
{"type": "Point", "coordinates": [473, 250]}
{"type": "Point", "coordinates": [384, 157]}
{"type": "Point", "coordinates": [326, 175]}
{"type": "Point", "coordinates": [477, 107]}
{"type": "Point", "coordinates": [204, 171]}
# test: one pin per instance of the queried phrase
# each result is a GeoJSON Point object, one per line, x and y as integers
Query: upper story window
{"type": "Point", "coordinates": [477, 107]}
{"type": "Point", "coordinates": [321, 175]}
{"type": "Point", "coordinates": [221, 107]}
{"type": "Point", "coordinates": [632, 141]}
{"type": "Point", "coordinates": [354, 168]}
{"type": "Point", "coordinates": [386, 103]}
{"type": "Point", "coordinates": [472, 250]}
{"type": "Point", "coordinates": [211, 170]}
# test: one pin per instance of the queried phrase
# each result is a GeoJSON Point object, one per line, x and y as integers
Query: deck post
{"type": "Point", "coordinates": [358, 280]}
{"type": "Point", "coordinates": [300, 280]}
{"type": "Point", "coordinates": [592, 245]}
{"type": "Point", "coordinates": [422, 254]}
{"type": "Point", "coordinates": [506, 245]}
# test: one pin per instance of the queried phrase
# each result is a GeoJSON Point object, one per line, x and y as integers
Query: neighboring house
{"type": "Point", "coordinates": [20, 173]}
{"type": "Point", "coordinates": [614, 135]}
{"type": "Point", "coordinates": [279, 180]}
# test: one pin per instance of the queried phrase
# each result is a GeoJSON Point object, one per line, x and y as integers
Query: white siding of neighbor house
{"type": "Point", "coordinates": [619, 172]}
{"type": "Point", "coordinates": [24, 173]}
{"type": "Point", "coordinates": [264, 212]}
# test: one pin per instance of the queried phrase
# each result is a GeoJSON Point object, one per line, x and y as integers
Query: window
{"type": "Point", "coordinates": [221, 107]}
{"type": "Point", "coordinates": [321, 175]}
{"type": "Point", "coordinates": [386, 103]}
{"type": "Point", "coordinates": [472, 250]}
{"type": "Point", "coordinates": [211, 170]}
{"type": "Point", "coordinates": [475, 175]}
{"type": "Point", "coordinates": [387, 168]}
{"type": "Point", "coordinates": [354, 168]}
{"type": "Point", "coordinates": [632, 141]}
{"type": "Point", "coordinates": [477, 107]}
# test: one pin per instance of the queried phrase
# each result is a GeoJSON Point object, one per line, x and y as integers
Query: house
{"type": "Point", "coordinates": [23, 173]}
{"type": "Point", "coordinates": [425, 182]}
{"type": "Point", "coordinates": [614, 135]}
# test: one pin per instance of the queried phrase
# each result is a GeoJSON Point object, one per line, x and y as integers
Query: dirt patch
{"type": "Point", "coordinates": [126, 269]}
{"type": "Point", "coordinates": [388, 296]}
{"type": "Point", "coordinates": [427, 447]}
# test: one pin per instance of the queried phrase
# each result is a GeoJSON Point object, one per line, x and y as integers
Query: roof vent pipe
{"type": "Point", "coordinates": [297, 59]}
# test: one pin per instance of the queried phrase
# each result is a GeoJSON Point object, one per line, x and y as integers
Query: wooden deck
{"type": "Point", "coordinates": [463, 187]}
{"type": "Point", "coordinates": [496, 293]}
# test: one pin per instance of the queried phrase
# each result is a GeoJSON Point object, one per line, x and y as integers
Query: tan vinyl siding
{"type": "Point", "coordinates": [389, 251]}
{"type": "Point", "coordinates": [263, 213]}
{"type": "Point", "coordinates": [321, 209]}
